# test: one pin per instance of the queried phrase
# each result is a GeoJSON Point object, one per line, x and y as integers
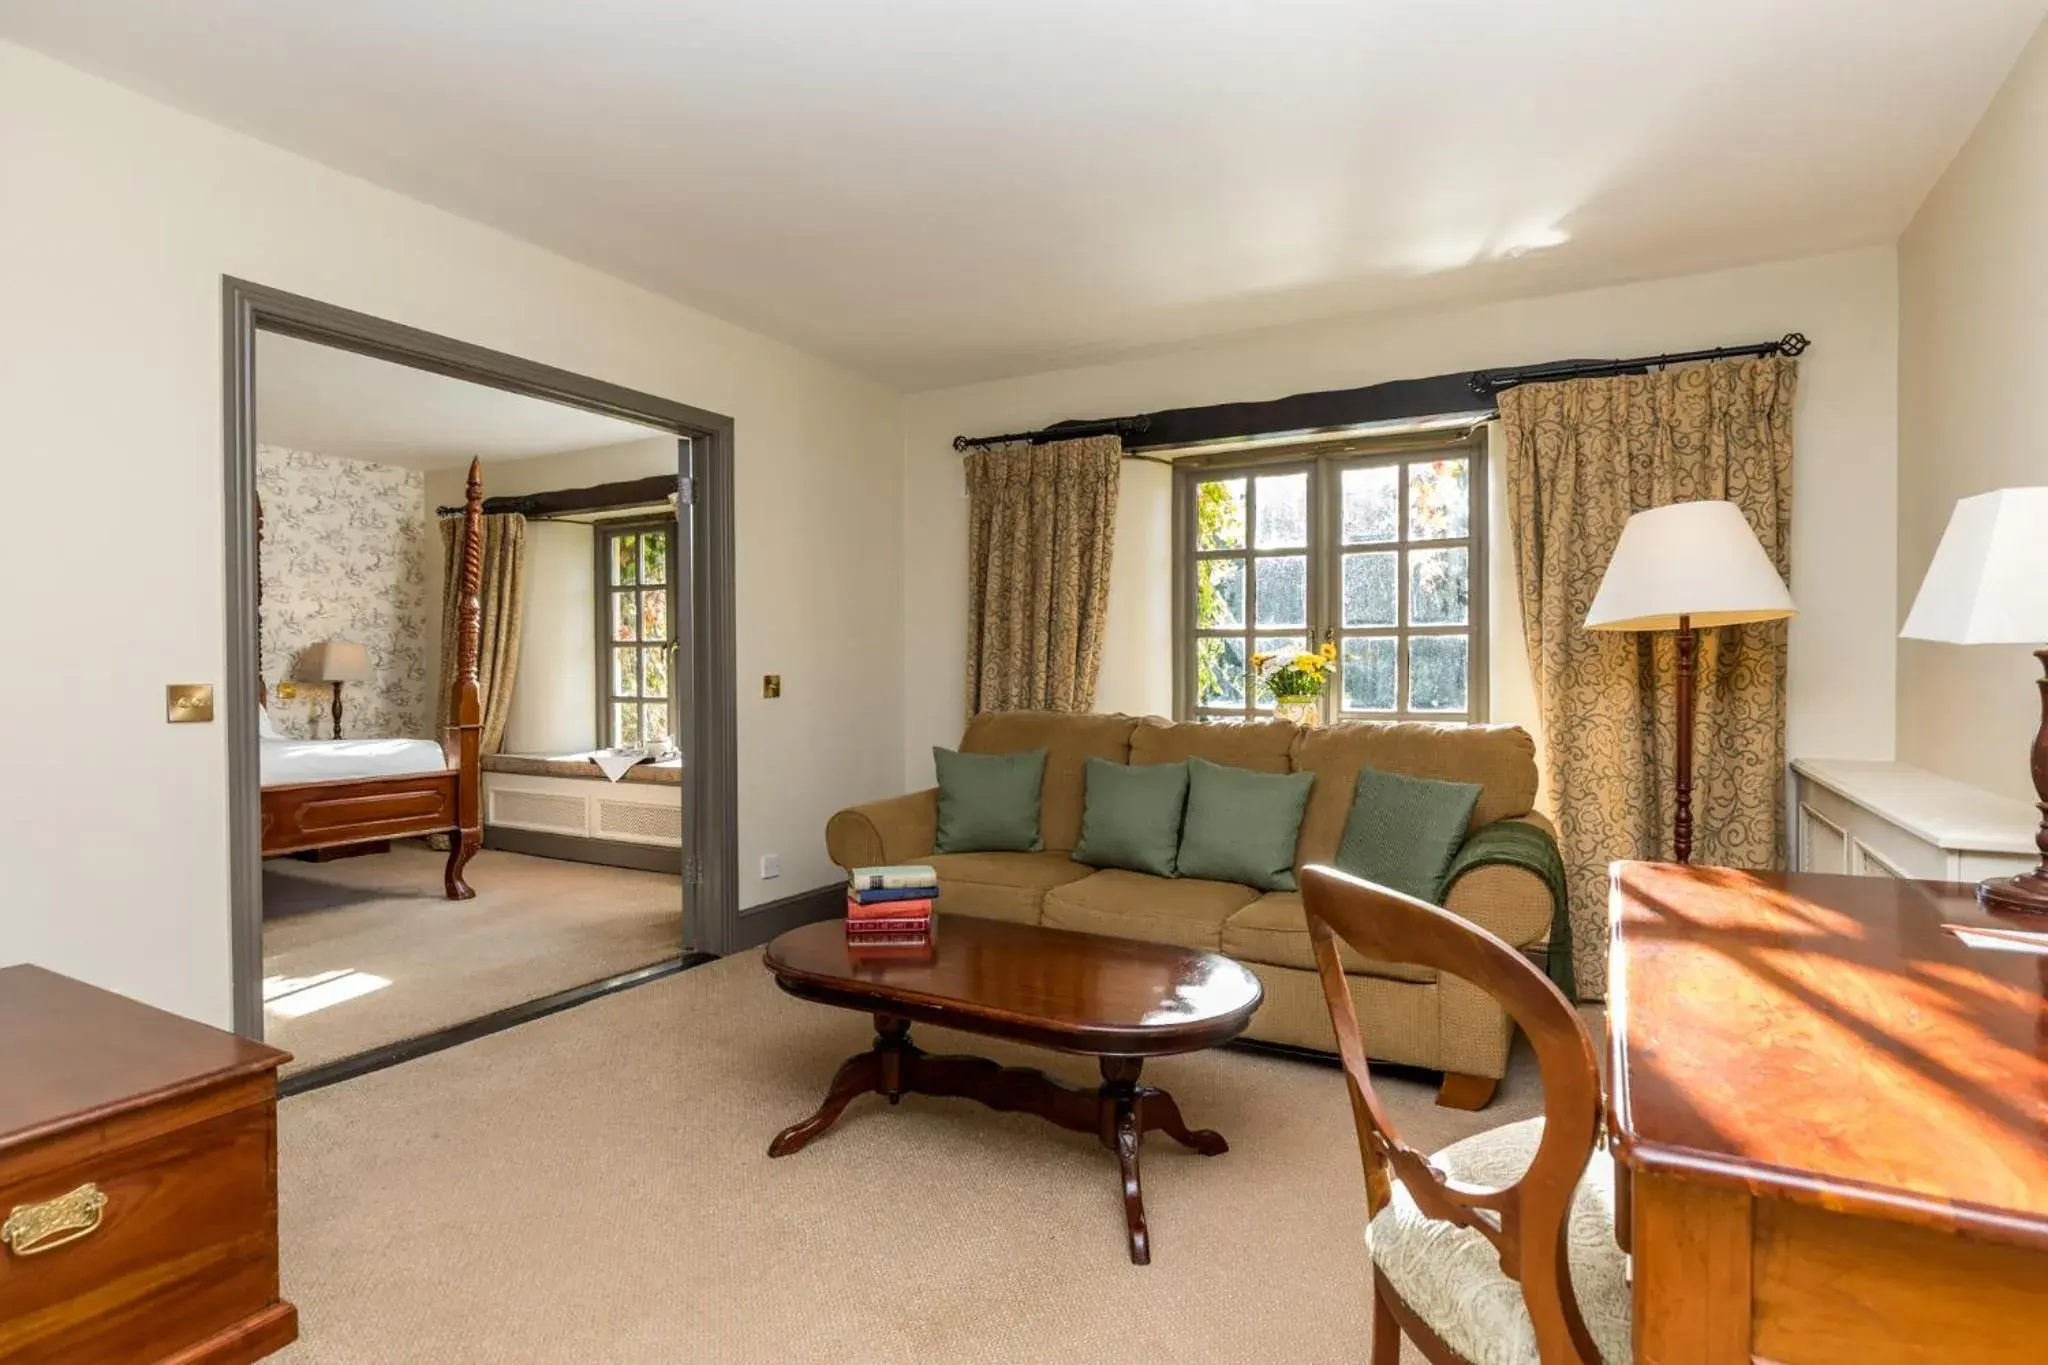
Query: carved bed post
{"type": "Point", "coordinates": [466, 733]}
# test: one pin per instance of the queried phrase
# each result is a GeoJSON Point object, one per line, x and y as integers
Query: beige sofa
{"type": "Point", "coordinates": [1408, 1014]}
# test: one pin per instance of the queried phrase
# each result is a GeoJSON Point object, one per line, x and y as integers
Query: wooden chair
{"type": "Point", "coordinates": [1476, 1247]}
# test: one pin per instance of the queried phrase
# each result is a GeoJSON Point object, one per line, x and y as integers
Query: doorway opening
{"type": "Point", "coordinates": [480, 626]}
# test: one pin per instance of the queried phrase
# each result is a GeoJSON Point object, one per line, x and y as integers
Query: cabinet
{"type": "Point", "coordinates": [1872, 819]}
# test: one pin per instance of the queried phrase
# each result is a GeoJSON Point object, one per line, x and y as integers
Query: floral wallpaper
{"type": "Point", "coordinates": [345, 558]}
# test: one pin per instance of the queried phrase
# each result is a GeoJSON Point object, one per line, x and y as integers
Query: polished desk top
{"type": "Point", "coordinates": [1824, 1039]}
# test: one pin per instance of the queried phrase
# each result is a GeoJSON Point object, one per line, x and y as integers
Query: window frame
{"type": "Point", "coordinates": [1325, 464]}
{"type": "Point", "coordinates": [606, 533]}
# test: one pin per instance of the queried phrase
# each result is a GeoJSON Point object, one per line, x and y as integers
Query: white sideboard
{"type": "Point", "coordinates": [1872, 819]}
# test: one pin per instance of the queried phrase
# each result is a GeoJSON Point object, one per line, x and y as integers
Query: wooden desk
{"type": "Point", "coordinates": [1830, 1120]}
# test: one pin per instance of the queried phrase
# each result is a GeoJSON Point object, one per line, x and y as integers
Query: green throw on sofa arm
{"type": "Point", "coordinates": [1508, 878]}
{"type": "Point", "coordinates": [902, 829]}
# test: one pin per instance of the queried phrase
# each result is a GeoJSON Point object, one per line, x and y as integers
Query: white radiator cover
{"type": "Point", "coordinates": [632, 813]}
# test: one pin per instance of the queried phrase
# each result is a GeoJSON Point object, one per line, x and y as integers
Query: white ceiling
{"type": "Point", "coordinates": [934, 191]}
{"type": "Point", "coordinates": [313, 397]}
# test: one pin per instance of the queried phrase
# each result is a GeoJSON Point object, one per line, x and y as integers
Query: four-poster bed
{"type": "Point", "coordinates": [321, 794]}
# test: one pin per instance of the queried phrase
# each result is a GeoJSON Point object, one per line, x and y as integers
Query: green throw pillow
{"type": "Point", "coordinates": [1404, 831]}
{"type": "Point", "coordinates": [1241, 825]}
{"type": "Point", "coordinates": [1132, 816]}
{"type": "Point", "coordinates": [988, 803]}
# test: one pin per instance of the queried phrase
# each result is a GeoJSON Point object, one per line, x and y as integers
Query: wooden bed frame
{"type": "Point", "coordinates": [302, 816]}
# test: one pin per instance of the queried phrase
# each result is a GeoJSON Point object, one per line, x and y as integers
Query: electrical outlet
{"type": "Point", "coordinates": [771, 865]}
{"type": "Point", "coordinates": [771, 685]}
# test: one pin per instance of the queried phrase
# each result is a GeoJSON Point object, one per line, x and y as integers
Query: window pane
{"type": "Point", "coordinates": [654, 557]}
{"type": "Point", "coordinates": [625, 616]}
{"type": "Point", "coordinates": [1219, 672]}
{"type": "Point", "coordinates": [1283, 511]}
{"type": "Point", "coordinates": [1286, 646]}
{"type": "Point", "coordinates": [1219, 514]}
{"type": "Point", "coordinates": [625, 559]}
{"type": "Point", "coordinates": [1370, 666]}
{"type": "Point", "coordinates": [1439, 587]}
{"type": "Point", "coordinates": [654, 614]}
{"type": "Point", "coordinates": [1372, 504]}
{"type": "Point", "coordinates": [1439, 503]}
{"type": "Point", "coordinates": [1219, 593]}
{"type": "Point", "coordinates": [625, 672]}
{"type": "Point", "coordinates": [654, 725]}
{"type": "Point", "coordinates": [1436, 673]}
{"type": "Point", "coordinates": [1282, 590]}
{"type": "Point", "coordinates": [1370, 598]}
{"type": "Point", "coordinates": [654, 672]}
{"type": "Point", "coordinates": [626, 725]}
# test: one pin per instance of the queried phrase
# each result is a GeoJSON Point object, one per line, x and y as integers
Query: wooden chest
{"type": "Point", "coordinates": [138, 1183]}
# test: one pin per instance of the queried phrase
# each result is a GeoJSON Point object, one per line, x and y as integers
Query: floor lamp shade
{"type": "Point", "coordinates": [1681, 567]}
{"type": "Point", "coordinates": [1988, 585]}
{"type": "Point", "coordinates": [1695, 561]}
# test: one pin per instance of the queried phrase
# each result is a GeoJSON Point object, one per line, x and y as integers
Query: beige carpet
{"type": "Point", "coordinates": [535, 927]}
{"type": "Point", "coordinates": [594, 1187]}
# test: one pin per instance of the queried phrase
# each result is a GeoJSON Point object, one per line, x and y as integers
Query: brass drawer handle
{"type": "Point", "coordinates": [32, 1229]}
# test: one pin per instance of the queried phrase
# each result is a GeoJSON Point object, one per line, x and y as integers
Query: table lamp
{"type": "Point", "coordinates": [336, 662]}
{"type": "Point", "coordinates": [1988, 585]}
{"type": "Point", "coordinates": [1685, 567]}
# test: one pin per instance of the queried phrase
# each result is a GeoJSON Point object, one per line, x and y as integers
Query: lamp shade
{"type": "Point", "coordinates": [336, 661]}
{"type": "Point", "coordinates": [1698, 560]}
{"type": "Point", "coordinates": [1988, 584]}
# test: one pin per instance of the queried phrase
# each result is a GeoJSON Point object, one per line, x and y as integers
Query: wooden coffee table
{"type": "Point", "coordinates": [1120, 1000]}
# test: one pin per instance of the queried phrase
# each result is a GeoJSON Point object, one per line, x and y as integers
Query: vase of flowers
{"type": "Point", "coordinates": [1297, 681]}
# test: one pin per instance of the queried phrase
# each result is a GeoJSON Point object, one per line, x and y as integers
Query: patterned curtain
{"type": "Point", "coordinates": [1582, 456]}
{"type": "Point", "coordinates": [1041, 526]}
{"type": "Point", "coordinates": [504, 604]}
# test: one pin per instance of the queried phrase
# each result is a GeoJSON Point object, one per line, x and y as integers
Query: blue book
{"type": "Point", "coordinates": [879, 894]}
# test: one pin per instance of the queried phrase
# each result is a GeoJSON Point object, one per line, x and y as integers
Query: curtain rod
{"type": "Point", "coordinates": [1064, 431]}
{"type": "Point", "coordinates": [1487, 383]}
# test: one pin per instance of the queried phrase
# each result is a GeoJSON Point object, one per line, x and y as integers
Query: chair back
{"type": "Point", "coordinates": [1527, 1221]}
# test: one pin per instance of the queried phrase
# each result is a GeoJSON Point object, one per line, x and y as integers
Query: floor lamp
{"type": "Point", "coordinates": [1687, 567]}
{"type": "Point", "coordinates": [1988, 585]}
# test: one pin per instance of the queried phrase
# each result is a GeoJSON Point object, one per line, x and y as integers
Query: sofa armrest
{"type": "Point", "coordinates": [899, 830]}
{"type": "Point", "coordinates": [1510, 902]}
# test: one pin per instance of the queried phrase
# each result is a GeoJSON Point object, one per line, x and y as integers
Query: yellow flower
{"type": "Point", "coordinates": [1309, 663]}
{"type": "Point", "coordinates": [1329, 651]}
{"type": "Point", "coordinates": [1259, 660]}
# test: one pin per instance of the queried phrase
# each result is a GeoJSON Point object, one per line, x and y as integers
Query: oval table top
{"type": "Point", "coordinates": [1055, 988]}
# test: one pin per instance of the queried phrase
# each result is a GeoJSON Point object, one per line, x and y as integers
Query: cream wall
{"type": "Point", "coordinates": [1973, 354]}
{"type": "Point", "coordinates": [121, 218]}
{"type": "Point", "coordinates": [1842, 660]}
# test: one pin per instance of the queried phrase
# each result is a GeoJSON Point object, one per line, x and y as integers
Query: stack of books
{"type": "Point", "coordinates": [890, 907]}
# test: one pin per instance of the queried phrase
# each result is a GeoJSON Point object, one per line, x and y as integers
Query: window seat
{"type": "Point", "coordinates": [666, 773]}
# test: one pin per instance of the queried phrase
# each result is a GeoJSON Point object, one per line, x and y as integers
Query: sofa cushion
{"type": "Point", "coordinates": [1069, 742]}
{"type": "Point", "coordinates": [1261, 745]}
{"type": "Point", "coordinates": [1242, 826]}
{"type": "Point", "coordinates": [1501, 759]}
{"type": "Point", "coordinates": [1274, 929]}
{"type": "Point", "coordinates": [1184, 911]}
{"type": "Point", "coordinates": [1404, 831]}
{"type": "Point", "coordinates": [988, 803]}
{"type": "Point", "coordinates": [1133, 816]}
{"type": "Point", "coordinates": [1006, 886]}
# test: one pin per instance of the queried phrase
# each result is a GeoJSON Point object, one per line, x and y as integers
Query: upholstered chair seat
{"type": "Point", "coordinates": [1450, 1276]}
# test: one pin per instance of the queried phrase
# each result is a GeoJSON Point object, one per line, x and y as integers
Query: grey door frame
{"type": "Point", "coordinates": [704, 596]}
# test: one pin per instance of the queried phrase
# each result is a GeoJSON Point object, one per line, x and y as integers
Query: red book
{"type": "Point", "coordinates": [887, 927]}
{"type": "Point", "coordinates": [889, 910]}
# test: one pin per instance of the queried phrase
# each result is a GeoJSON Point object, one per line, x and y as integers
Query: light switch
{"type": "Point", "coordinates": [188, 703]}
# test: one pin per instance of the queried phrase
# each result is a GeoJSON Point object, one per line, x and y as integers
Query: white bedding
{"type": "Point", "coordinates": [285, 761]}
